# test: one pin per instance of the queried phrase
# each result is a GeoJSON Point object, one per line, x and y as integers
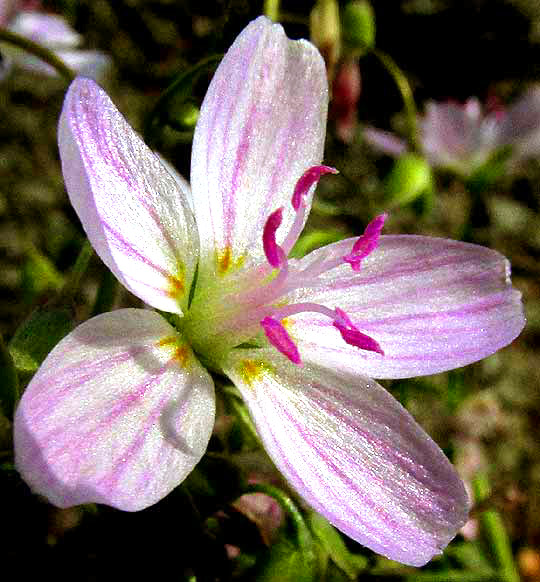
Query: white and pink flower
{"type": "Point", "coordinates": [464, 137]}
{"type": "Point", "coordinates": [53, 32]}
{"type": "Point", "coordinates": [122, 409]}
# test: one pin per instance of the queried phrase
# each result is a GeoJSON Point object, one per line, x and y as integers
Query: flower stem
{"type": "Point", "coordinates": [406, 93]}
{"type": "Point", "coordinates": [106, 294]}
{"type": "Point", "coordinates": [303, 535]}
{"type": "Point", "coordinates": [39, 51]}
{"type": "Point", "coordinates": [495, 532]}
{"type": "Point", "coordinates": [79, 268]}
{"type": "Point", "coordinates": [271, 9]}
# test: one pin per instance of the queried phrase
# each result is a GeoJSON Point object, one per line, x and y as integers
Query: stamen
{"type": "Point", "coordinates": [353, 336]}
{"type": "Point", "coordinates": [366, 243]}
{"type": "Point", "coordinates": [277, 335]}
{"type": "Point", "coordinates": [308, 178]}
{"type": "Point", "coordinates": [274, 253]}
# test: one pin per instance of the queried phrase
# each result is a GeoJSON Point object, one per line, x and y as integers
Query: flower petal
{"type": "Point", "coordinates": [119, 413]}
{"type": "Point", "coordinates": [520, 127]}
{"type": "Point", "coordinates": [354, 454]}
{"type": "Point", "coordinates": [93, 64]}
{"type": "Point", "coordinates": [384, 141]}
{"type": "Point", "coordinates": [262, 125]}
{"type": "Point", "coordinates": [431, 304]}
{"type": "Point", "coordinates": [50, 30]}
{"type": "Point", "coordinates": [134, 212]}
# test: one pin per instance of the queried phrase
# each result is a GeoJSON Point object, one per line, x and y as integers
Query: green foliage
{"type": "Point", "coordinates": [38, 335]}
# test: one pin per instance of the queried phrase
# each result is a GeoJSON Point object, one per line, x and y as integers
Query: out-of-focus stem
{"type": "Point", "coordinates": [271, 9]}
{"type": "Point", "coordinates": [405, 90]}
{"type": "Point", "coordinates": [77, 272]}
{"type": "Point", "coordinates": [495, 532]}
{"type": "Point", "coordinates": [39, 51]}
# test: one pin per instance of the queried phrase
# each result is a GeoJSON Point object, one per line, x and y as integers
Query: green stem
{"type": "Point", "coordinates": [38, 51]}
{"type": "Point", "coordinates": [496, 534]}
{"type": "Point", "coordinates": [106, 294]}
{"type": "Point", "coordinates": [406, 93]}
{"type": "Point", "coordinates": [271, 9]}
{"type": "Point", "coordinates": [79, 268]}
{"type": "Point", "coordinates": [181, 87]}
{"type": "Point", "coordinates": [303, 535]}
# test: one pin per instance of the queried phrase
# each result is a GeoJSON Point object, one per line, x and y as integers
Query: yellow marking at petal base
{"type": "Point", "coordinates": [177, 351]}
{"type": "Point", "coordinates": [253, 370]}
{"type": "Point", "coordinates": [176, 283]}
{"type": "Point", "coordinates": [287, 323]}
{"type": "Point", "coordinates": [226, 262]}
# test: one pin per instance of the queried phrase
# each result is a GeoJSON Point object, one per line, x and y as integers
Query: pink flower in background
{"type": "Point", "coordinates": [52, 32]}
{"type": "Point", "coordinates": [122, 409]}
{"type": "Point", "coordinates": [463, 138]}
{"type": "Point", "coordinates": [346, 90]}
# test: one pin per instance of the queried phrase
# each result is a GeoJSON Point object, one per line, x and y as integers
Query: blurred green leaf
{"type": "Point", "coordinates": [38, 335]}
{"type": "Point", "coordinates": [334, 544]}
{"type": "Point", "coordinates": [9, 381]}
{"type": "Point", "coordinates": [313, 240]}
{"type": "Point", "coordinates": [39, 274]}
{"type": "Point", "coordinates": [410, 178]}
{"type": "Point", "coordinates": [287, 562]}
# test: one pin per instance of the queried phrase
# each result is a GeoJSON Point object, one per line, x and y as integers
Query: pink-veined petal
{"type": "Point", "coordinates": [134, 212]}
{"type": "Point", "coordinates": [119, 413]}
{"type": "Point", "coordinates": [354, 454]}
{"type": "Point", "coordinates": [431, 304]}
{"type": "Point", "coordinates": [262, 125]}
{"type": "Point", "coordinates": [520, 126]}
{"type": "Point", "coordinates": [50, 30]}
{"type": "Point", "coordinates": [384, 141]}
{"type": "Point", "coordinates": [93, 64]}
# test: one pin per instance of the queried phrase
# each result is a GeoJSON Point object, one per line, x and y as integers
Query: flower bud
{"type": "Point", "coordinates": [326, 32]}
{"type": "Point", "coordinates": [346, 90]}
{"type": "Point", "coordinates": [410, 177]}
{"type": "Point", "coordinates": [358, 25]}
{"type": "Point", "coordinates": [183, 116]}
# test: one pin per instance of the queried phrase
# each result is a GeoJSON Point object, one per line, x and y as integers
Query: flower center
{"type": "Point", "coordinates": [242, 314]}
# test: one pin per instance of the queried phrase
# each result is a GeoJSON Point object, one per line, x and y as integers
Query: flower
{"type": "Point", "coordinates": [54, 33]}
{"type": "Point", "coordinates": [122, 409]}
{"type": "Point", "coordinates": [463, 138]}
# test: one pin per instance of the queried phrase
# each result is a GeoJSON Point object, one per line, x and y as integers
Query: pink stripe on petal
{"type": "Point", "coordinates": [119, 396]}
{"type": "Point", "coordinates": [354, 454]}
{"type": "Point", "coordinates": [136, 215]}
{"type": "Point", "coordinates": [432, 304]}
{"type": "Point", "coordinates": [261, 124]}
